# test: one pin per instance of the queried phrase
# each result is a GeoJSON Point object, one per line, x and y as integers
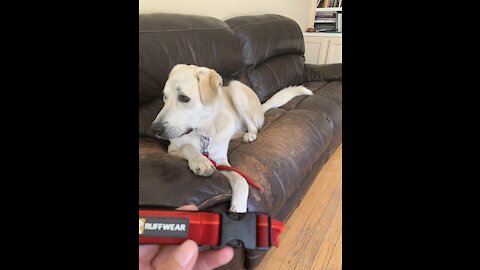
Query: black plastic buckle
{"type": "Point", "coordinates": [240, 230]}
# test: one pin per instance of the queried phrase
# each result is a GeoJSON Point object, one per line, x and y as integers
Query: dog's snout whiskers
{"type": "Point", "coordinates": [158, 128]}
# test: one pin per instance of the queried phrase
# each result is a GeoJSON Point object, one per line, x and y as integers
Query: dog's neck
{"type": "Point", "coordinates": [209, 132]}
{"type": "Point", "coordinates": [219, 120]}
{"type": "Point", "coordinates": [207, 123]}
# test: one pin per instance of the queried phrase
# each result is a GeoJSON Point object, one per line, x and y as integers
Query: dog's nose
{"type": "Point", "coordinates": [158, 128]}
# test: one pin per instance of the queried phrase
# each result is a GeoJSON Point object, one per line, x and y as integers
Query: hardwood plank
{"type": "Point", "coordinates": [312, 234]}
{"type": "Point", "coordinates": [306, 228]}
{"type": "Point", "coordinates": [328, 245]}
{"type": "Point", "coordinates": [299, 226]}
{"type": "Point", "coordinates": [318, 244]}
{"type": "Point", "coordinates": [335, 262]}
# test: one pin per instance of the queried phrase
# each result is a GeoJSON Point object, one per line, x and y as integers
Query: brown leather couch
{"type": "Point", "coordinates": [267, 53]}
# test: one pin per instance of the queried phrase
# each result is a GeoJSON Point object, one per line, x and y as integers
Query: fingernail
{"type": "Point", "coordinates": [185, 253]}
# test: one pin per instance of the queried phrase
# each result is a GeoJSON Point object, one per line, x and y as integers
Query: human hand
{"type": "Point", "coordinates": [182, 257]}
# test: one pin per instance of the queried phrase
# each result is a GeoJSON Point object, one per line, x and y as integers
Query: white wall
{"type": "Point", "coordinates": [299, 10]}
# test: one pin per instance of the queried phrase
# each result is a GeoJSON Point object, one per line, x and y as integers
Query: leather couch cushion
{"type": "Point", "coordinates": [272, 49]}
{"type": "Point", "coordinates": [265, 36]}
{"type": "Point", "coordinates": [289, 145]}
{"type": "Point", "coordinates": [276, 73]}
{"type": "Point", "coordinates": [169, 39]}
{"type": "Point", "coordinates": [146, 114]}
{"type": "Point", "coordinates": [166, 180]}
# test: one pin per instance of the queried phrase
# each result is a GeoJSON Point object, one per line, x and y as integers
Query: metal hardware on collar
{"type": "Point", "coordinates": [205, 143]}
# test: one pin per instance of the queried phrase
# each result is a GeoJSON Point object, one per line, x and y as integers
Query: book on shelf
{"type": "Point", "coordinates": [328, 20]}
{"type": "Point", "coordinates": [325, 14]}
{"type": "Point", "coordinates": [320, 27]}
{"type": "Point", "coordinates": [339, 22]}
{"type": "Point", "coordinates": [329, 3]}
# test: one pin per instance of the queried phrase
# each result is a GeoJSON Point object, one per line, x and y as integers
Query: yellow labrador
{"type": "Point", "coordinates": [202, 115]}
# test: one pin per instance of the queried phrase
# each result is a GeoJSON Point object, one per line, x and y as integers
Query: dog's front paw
{"type": "Point", "coordinates": [249, 137]}
{"type": "Point", "coordinates": [202, 166]}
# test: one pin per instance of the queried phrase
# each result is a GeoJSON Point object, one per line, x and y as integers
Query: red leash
{"type": "Point", "coordinates": [228, 168]}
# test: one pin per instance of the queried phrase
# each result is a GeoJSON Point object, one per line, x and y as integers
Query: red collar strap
{"type": "Point", "coordinates": [205, 144]}
{"type": "Point", "coordinates": [228, 168]}
{"type": "Point", "coordinates": [250, 230]}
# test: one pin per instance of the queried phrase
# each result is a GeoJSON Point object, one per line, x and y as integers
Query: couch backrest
{"type": "Point", "coordinates": [272, 49]}
{"type": "Point", "coordinates": [169, 39]}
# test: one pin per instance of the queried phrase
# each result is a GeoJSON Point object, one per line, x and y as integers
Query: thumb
{"type": "Point", "coordinates": [183, 257]}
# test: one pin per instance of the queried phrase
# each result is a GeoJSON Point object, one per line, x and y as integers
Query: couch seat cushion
{"type": "Point", "coordinates": [291, 142]}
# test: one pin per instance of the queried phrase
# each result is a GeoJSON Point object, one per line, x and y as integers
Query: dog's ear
{"type": "Point", "coordinates": [176, 68]}
{"type": "Point", "coordinates": [209, 82]}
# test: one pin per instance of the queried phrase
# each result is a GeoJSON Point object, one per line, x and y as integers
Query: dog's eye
{"type": "Point", "coordinates": [183, 98]}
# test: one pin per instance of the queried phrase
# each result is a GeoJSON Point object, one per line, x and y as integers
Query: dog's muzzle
{"type": "Point", "coordinates": [158, 129]}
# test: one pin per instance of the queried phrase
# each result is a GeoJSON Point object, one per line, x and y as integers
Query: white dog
{"type": "Point", "coordinates": [198, 109]}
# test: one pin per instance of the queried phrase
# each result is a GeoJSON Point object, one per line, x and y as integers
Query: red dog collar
{"type": "Point", "coordinates": [205, 144]}
{"type": "Point", "coordinates": [250, 230]}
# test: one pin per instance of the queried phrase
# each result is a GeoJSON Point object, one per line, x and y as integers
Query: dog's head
{"type": "Point", "coordinates": [189, 96]}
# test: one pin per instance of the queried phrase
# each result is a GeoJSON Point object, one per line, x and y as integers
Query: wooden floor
{"type": "Point", "coordinates": [313, 235]}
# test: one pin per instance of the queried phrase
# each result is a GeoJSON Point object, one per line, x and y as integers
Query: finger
{"type": "Point", "coordinates": [145, 255]}
{"type": "Point", "coordinates": [188, 207]}
{"type": "Point", "coordinates": [210, 259]}
{"type": "Point", "coordinates": [182, 257]}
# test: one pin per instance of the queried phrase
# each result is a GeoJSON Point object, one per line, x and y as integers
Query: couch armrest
{"type": "Point", "coordinates": [326, 72]}
{"type": "Point", "coordinates": [166, 180]}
